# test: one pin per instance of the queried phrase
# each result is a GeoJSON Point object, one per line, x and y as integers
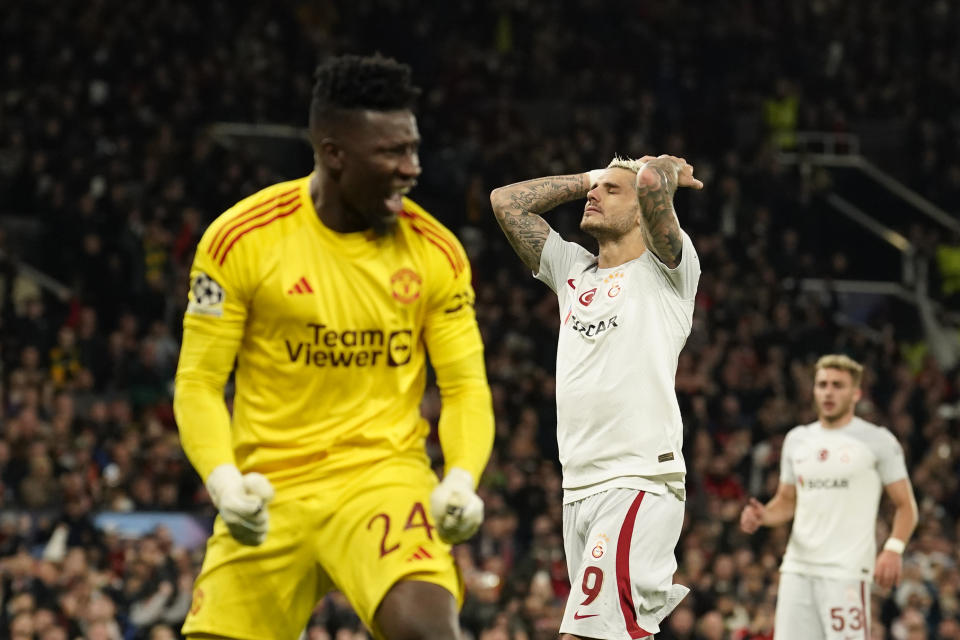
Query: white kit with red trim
{"type": "Point", "coordinates": [619, 545]}
{"type": "Point", "coordinates": [621, 333]}
{"type": "Point", "coordinates": [620, 433]}
{"type": "Point", "coordinates": [839, 475]}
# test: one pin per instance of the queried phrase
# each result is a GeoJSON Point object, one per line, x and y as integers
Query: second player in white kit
{"type": "Point", "coordinates": [832, 475]}
{"type": "Point", "coordinates": [625, 315]}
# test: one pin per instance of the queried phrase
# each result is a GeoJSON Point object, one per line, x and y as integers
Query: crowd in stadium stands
{"type": "Point", "coordinates": [104, 109]}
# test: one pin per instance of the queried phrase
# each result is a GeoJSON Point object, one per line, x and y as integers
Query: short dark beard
{"type": "Point", "coordinates": [383, 227]}
{"type": "Point", "coordinates": [601, 234]}
{"type": "Point", "coordinates": [380, 225]}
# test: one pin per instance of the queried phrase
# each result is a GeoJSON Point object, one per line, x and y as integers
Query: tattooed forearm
{"type": "Point", "coordinates": [542, 194]}
{"type": "Point", "coordinates": [518, 208]}
{"type": "Point", "coordinates": [655, 189]}
{"type": "Point", "coordinates": [527, 234]}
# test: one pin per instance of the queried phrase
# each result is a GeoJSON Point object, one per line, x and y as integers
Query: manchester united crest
{"type": "Point", "coordinates": [405, 285]}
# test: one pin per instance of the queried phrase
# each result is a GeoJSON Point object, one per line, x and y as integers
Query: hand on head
{"type": "Point", "coordinates": [681, 172]}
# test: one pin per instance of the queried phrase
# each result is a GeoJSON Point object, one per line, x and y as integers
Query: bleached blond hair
{"type": "Point", "coordinates": [843, 363]}
{"type": "Point", "coordinates": [631, 164]}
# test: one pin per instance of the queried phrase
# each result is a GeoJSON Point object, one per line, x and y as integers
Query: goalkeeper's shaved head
{"type": "Point", "coordinates": [353, 83]}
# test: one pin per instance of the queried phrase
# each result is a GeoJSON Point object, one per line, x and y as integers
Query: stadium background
{"type": "Point", "coordinates": [124, 130]}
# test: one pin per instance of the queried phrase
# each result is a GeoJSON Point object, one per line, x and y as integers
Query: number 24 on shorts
{"type": "Point", "coordinates": [417, 519]}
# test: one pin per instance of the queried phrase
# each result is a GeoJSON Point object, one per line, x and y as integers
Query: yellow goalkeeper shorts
{"type": "Point", "coordinates": [361, 534]}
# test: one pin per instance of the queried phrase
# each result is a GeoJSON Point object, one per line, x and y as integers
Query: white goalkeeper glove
{"type": "Point", "coordinates": [456, 507]}
{"type": "Point", "coordinates": [242, 502]}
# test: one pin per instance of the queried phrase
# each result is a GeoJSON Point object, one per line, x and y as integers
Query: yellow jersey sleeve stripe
{"type": "Point", "coordinates": [230, 225]}
{"type": "Point", "coordinates": [435, 236]}
{"type": "Point", "coordinates": [282, 214]}
{"type": "Point", "coordinates": [227, 219]}
{"type": "Point", "coordinates": [454, 263]}
{"type": "Point", "coordinates": [446, 237]}
{"type": "Point", "coordinates": [442, 234]}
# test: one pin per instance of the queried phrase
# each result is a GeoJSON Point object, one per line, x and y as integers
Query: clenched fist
{"type": "Point", "coordinates": [456, 507]}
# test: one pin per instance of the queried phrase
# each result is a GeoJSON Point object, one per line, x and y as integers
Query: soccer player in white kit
{"type": "Point", "coordinates": [625, 315]}
{"type": "Point", "coordinates": [832, 473]}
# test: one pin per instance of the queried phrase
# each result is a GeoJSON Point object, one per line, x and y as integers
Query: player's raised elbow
{"type": "Point", "coordinates": [498, 201]}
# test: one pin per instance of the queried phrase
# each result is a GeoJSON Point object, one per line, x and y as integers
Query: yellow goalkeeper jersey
{"type": "Point", "coordinates": [330, 333]}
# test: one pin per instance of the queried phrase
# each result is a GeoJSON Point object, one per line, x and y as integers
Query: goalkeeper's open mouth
{"type": "Point", "coordinates": [394, 201]}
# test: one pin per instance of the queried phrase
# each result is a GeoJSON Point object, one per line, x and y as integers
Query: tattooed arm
{"type": "Point", "coordinates": [518, 207]}
{"type": "Point", "coordinates": [656, 183]}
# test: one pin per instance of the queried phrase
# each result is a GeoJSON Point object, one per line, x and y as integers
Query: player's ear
{"type": "Point", "coordinates": [330, 154]}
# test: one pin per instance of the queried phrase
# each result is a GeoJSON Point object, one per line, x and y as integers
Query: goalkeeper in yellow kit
{"type": "Point", "coordinates": [328, 292]}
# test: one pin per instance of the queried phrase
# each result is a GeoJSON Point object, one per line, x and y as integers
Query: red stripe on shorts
{"type": "Point", "coordinates": [623, 571]}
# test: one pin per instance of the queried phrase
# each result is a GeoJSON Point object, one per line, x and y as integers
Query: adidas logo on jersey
{"type": "Point", "coordinates": [301, 286]}
{"type": "Point", "coordinates": [419, 554]}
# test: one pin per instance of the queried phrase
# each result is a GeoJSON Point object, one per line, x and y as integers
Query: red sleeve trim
{"type": "Point", "coordinates": [437, 238]}
{"type": "Point", "coordinates": [227, 228]}
{"type": "Point", "coordinates": [282, 214]}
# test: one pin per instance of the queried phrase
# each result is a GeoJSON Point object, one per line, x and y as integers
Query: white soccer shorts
{"type": "Point", "coordinates": [815, 608]}
{"type": "Point", "coordinates": [619, 545]}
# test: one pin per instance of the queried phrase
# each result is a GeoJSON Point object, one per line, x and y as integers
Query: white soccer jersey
{"type": "Point", "coordinates": [839, 475]}
{"type": "Point", "coordinates": [621, 333]}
